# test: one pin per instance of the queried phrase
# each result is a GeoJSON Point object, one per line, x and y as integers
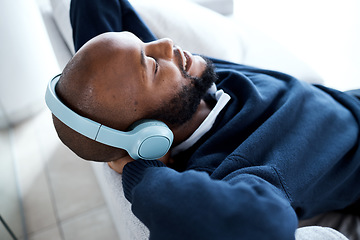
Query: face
{"type": "Point", "coordinates": [184, 104]}
{"type": "Point", "coordinates": [150, 80]}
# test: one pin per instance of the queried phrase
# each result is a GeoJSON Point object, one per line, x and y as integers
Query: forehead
{"type": "Point", "coordinates": [126, 59]}
{"type": "Point", "coordinates": [123, 40]}
{"type": "Point", "coordinates": [107, 47]}
{"type": "Point", "coordinates": [120, 55]}
{"type": "Point", "coordinates": [116, 77]}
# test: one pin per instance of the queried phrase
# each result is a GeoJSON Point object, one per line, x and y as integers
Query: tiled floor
{"type": "Point", "coordinates": [60, 193]}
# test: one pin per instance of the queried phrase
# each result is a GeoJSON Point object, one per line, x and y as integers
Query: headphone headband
{"type": "Point", "coordinates": [149, 139]}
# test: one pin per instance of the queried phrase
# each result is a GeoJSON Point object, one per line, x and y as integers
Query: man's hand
{"type": "Point", "coordinates": [119, 164]}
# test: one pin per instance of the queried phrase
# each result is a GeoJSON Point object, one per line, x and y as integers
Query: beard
{"type": "Point", "coordinates": [184, 104]}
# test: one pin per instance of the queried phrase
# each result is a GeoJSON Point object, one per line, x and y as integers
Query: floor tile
{"type": "Point", "coordinates": [26, 152]}
{"type": "Point", "coordinates": [56, 185]}
{"type": "Point", "coordinates": [10, 208]}
{"type": "Point", "coordinates": [35, 190]}
{"type": "Point", "coordinates": [38, 206]}
{"type": "Point", "coordinates": [72, 180]}
{"type": "Point", "coordinates": [52, 233]}
{"type": "Point", "coordinates": [46, 134]}
{"type": "Point", "coordinates": [74, 185]}
{"type": "Point", "coordinates": [93, 225]}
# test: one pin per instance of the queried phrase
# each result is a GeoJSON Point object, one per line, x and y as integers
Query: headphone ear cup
{"type": "Point", "coordinates": [153, 139]}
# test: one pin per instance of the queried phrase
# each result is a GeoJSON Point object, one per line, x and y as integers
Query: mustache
{"type": "Point", "coordinates": [208, 70]}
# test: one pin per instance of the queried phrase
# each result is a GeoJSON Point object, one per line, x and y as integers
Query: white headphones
{"type": "Point", "coordinates": [148, 139]}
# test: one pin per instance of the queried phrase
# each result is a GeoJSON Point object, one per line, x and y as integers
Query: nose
{"type": "Point", "coordinates": [162, 48]}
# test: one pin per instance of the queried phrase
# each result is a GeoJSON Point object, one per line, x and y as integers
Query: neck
{"type": "Point", "coordinates": [184, 131]}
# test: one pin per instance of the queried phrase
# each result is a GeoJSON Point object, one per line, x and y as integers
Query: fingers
{"type": "Point", "coordinates": [119, 164]}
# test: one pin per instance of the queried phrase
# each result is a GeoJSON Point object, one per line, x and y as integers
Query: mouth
{"type": "Point", "coordinates": [185, 58]}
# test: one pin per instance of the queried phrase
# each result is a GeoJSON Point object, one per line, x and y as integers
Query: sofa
{"type": "Point", "coordinates": [202, 20]}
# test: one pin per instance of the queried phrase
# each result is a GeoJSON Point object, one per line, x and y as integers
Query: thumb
{"type": "Point", "coordinates": [118, 165]}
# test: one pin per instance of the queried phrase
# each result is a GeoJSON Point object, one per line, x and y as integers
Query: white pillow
{"type": "Point", "coordinates": [193, 27]}
{"type": "Point", "coordinates": [264, 52]}
{"type": "Point", "coordinates": [225, 7]}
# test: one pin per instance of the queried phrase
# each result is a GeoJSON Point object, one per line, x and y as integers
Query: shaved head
{"type": "Point", "coordinates": [80, 87]}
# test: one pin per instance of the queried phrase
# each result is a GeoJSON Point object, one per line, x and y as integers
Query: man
{"type": "Point", "coordinates": [247, 160]}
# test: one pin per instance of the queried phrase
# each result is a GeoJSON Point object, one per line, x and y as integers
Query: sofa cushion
{"type": "Point", "coordinates": [194, 28]}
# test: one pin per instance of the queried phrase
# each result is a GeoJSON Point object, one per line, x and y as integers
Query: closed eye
{"type": "Point", "coordinates": [156, 66]}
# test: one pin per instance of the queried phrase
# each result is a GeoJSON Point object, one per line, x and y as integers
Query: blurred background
{"type": "Point", "coordinates": [44, 192]}
{"type": "Point", "coordinates": [323, 33]}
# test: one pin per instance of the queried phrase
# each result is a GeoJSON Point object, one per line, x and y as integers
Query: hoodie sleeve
{"type": "Point", "coordinates": [191, 205]}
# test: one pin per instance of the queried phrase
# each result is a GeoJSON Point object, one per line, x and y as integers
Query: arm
{"type": "Point", "coordinates": [91, 18]}
{"type": "Point", "coordinates": [190, 205]}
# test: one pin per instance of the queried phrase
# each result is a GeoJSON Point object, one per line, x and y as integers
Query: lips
{"type": "Point", "coordinates": [185, 58]}
{"type": "Point", "coordinates": [188, 57]}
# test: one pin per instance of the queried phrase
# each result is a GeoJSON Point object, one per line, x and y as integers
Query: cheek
{"type": "Point", "coordinates": [169, 83]}
{"type": "Point", "coordinates": [171, 79]}
{"type": "Point", "coordinates": [164, 95]}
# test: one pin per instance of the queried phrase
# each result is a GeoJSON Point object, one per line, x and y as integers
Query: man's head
{"type": "Point", "coordinates": [116, 79]}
